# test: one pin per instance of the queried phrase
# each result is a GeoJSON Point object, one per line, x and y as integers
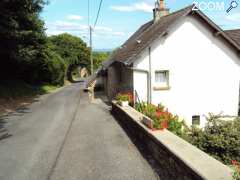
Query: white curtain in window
{"type": "Point", "coordinates": [161, 77]}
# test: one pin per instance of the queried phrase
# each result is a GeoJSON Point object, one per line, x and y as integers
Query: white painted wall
{"type": "Point", "coordinates": [139, 78]}
{"type": "Point", "coordinates": [141, 88]}
{"type": "Point", "coordinates": [204, 72]}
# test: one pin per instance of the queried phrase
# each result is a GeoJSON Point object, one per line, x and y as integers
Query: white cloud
{"type": "Point", "coordinates": [69, 26]}
{"type": "Point", "coordinates": [74, 17]}
{"type": "Point", "coordinates": [141, 6]}
{"type": "Point", "coordinates": [75, 28]}
{"type": "Point", "coordinates": [118, 34]}
{"type": "Point", "coordinates": [102, 28]}
{"type": "Point", "coordinates": [233, 17]}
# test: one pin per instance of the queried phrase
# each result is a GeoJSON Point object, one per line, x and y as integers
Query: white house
{"type": "Point", "coordinates": [182, 60]}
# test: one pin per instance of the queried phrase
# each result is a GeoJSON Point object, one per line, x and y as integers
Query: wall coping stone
{"type": "Point", "coordinates": [200, 162]}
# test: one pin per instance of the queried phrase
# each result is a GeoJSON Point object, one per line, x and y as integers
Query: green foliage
{"type": "Point", "coordinates": [127, 96]}
{"type": "Point", "coordinates": [149, 110]}
{"type": "Point", "coordinates": [220, 139]}
{"type": "Point", "coordinates": [236, 170]}
{"type": "Point", "coordinates": [122, 97]}
{"type": "Point", "coordinates": [236, 174]}
{"type": "Point", "coordinates": [47, 88]}
{"type": "Point", "coordinates": [22, 39]}
{"type": "Point", "coordinates": [161, 117]}
{"type": "Point", "coordinates": [175, 125]}
{"type": "Point", "coordinates": [54, 69]}
{"type": "Point", "coordinates": [16, 89]}
{"type": "Point", "coordinates": [98, 58]}
{"type": "Point", "coordinates": [26, 52]}
{"type": "Point", "coordinates": [71, 49]}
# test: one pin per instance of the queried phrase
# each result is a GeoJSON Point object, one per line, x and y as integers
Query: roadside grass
{"type": "Point", "coordinates": [47, 88]}
{"type": "Point", "coordinates": [15, 94]}
{"type": "Point", "coordinates": [18, 89]}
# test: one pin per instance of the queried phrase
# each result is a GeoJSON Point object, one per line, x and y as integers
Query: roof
{"type": "Point", "coordinates": [150, 31]}
{"type": "Point", "coordinates": [123, 50]}
{"type": "Point", "coordinates": [234, 34]}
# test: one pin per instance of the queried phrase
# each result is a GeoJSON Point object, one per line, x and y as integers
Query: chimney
{"type": "Point", "coordinates": [159, 10]}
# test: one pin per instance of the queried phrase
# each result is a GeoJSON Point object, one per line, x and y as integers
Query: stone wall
{"type": "Point", "coordinates": [177, 159]}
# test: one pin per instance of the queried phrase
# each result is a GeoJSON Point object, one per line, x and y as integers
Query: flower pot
{"type": "Point", "coordinates": [147, 122]}
{"type": "Point", "coordinates": [124, 103]}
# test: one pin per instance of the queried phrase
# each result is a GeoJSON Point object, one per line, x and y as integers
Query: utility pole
{"type": "Point", "coordinates": [91, 48]}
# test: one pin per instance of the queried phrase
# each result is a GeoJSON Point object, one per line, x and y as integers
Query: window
{"type": "Point", "coordinates": [161, 80]}
{"type": "Point", "coordinates": [196, 120]}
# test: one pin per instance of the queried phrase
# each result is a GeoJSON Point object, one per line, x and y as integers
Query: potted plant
{"type": "Point", "coordinates": [123, 99]}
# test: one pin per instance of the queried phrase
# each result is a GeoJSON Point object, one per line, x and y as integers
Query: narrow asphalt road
{"type": "Point", "coordinates": [65, 137]}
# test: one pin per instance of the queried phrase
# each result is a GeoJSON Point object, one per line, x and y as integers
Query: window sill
{"type": "Point", "coordinates": [161, 88]}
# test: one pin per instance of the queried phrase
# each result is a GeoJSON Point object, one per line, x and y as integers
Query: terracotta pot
{"type": "Point", "coordinates": [148, 122]}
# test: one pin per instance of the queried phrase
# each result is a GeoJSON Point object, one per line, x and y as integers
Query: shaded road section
{"type": "Point", "coordinates": [65, 137]}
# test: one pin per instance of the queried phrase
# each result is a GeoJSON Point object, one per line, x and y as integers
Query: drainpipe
{"type": "Point", "coordinates": [150, 76]}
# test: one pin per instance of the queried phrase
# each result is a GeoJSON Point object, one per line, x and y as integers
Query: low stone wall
{"type": "Point", "coordinates": [177, 159]}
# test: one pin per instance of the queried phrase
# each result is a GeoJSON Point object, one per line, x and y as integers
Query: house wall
{"type": "Point", "coordinates": [204, 73]}
{"type": "Point", "coordinates": [141, 67]}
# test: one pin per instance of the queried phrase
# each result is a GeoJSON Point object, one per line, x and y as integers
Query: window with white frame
{"type": "Point", "coordinates": [196, 120]}
{"type": "Point", "coordinates": [162, 79]}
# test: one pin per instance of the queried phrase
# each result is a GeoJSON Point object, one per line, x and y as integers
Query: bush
{"type": "Point", "coordinates": [220, 139]}
{"type": "Point", "coordinates": [54, 69]}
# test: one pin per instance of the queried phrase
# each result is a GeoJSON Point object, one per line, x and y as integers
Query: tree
{"type": "Point", "coordinates": [24, 50]}
{"type": "Point", "coordinates": [72, 50]}
{"type": "Point", "coordinates": [23, 41]}
{"type": "Point", "coordinates": [98, 58]}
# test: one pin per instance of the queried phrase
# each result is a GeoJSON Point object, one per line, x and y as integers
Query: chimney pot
{"type": "Point", "coordinates": [159, 10]}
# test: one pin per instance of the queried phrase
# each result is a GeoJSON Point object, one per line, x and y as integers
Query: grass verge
{"type": "Point", "coordinates": [14, 94]}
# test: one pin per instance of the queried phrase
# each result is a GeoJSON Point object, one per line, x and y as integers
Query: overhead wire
{"type": "Point", "coordinates": [98, 13]}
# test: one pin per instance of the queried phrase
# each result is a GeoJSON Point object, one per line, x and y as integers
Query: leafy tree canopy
{"type": "Point", "coordinates": [98, 58]}
{"type": "Point", "coordinates": [72, 49]}
{"type": "Point", "coordinates": [23, 41]}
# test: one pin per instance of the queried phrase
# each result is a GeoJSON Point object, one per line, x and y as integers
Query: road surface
{"type": "Point", "coordinates": [63, 136]}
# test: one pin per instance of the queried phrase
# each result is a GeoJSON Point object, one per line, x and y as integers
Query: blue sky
{"type": "Point", "coordinates": [120, 18]}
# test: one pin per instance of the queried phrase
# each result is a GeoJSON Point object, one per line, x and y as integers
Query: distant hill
{"type": "Point", "coordinates": [103, 50]}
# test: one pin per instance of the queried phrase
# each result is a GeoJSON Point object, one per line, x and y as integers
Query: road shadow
{"type": "Point", "coordinates": [78, 81]}
{"type": "Point", "coordinates": [18, 113]}
{"type": "Point", "coordinates": [143, 151]}
{"type": "Point", "coordinates": [4, 133]}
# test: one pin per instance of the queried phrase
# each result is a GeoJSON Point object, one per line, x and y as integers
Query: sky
{"type": "Point", "coordinates": [121, 18]}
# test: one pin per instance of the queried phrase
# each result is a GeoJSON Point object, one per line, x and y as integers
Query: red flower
{"type": "Point", "coordinates": [159, 114]}
{"type": "Point", "coordinates": [164, 124]}
{"type": "Point", "coordinates": [234, 162]}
